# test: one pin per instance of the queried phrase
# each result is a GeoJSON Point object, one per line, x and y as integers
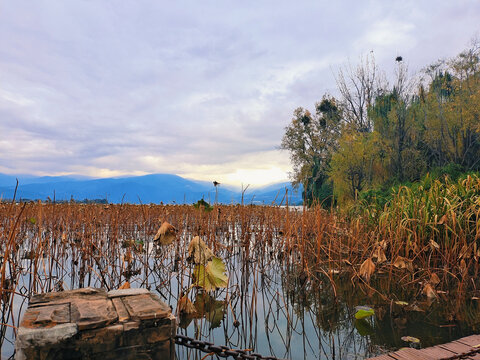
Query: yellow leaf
{"type": "Point", "coordinates": [198, 251]}
{"type": "Point", "coordinates": [185, 306]}
{"type": "Point", "coordinates": [166, 234]}
{"type": "Point", "coordinates": [410, 339]}
{"type": "Point", "coordinates": [381, 255]}
{"type": "Point", "coordinates": [434, 245]}
{"type": "Point", "coordinates": [403, 263]}
{"type": "Point", "coordinates": [212, 276]}
{"type": "Point", "coordinates": [434, 279]}
{"type": "Point", "coordinates": [367, 269]}
{"type": "Point", "coordinates": [126, 285]}
{"type": "Point", "coordinates": [429, 291]}
{"type": "Point", "coordinates": [442, 220]}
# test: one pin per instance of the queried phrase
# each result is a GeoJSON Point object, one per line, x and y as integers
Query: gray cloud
{"type": "Point", "coordinates": [195, 88]}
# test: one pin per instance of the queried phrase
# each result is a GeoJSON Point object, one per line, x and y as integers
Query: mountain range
{"type": "Point", "coordinates": [154, 188]}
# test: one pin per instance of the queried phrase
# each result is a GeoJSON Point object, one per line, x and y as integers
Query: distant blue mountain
{"type": "Point", "coordinates": [10, 180]}
{"type": "Point", "coordinates": [277, 193]}
{"type": "Point", "coordinates": [153, 188]}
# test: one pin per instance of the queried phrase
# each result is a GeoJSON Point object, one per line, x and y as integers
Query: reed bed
{"type": "Point", "coordinates": [421, 248]}
{"type": "Point", "coordinates": [432, 228]}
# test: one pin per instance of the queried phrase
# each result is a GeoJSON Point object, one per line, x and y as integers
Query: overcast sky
{"type": "Point", "coordinates": [202, 89]}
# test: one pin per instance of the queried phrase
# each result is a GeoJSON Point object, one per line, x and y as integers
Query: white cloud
{"type": "Point", "coordinates": [386, 33]}
{"type": "Point", "coordinates": [197, 89]}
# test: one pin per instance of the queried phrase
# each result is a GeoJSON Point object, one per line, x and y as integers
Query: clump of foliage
{"type": "Point", "coordinates": [311, 140]}
{"type": "Point", "coordinates": [443, 211]}
{"type": "Point", "coordinates": [202, 204]}
{"type": "Point", "coordinates": [373, 201]}
{"type": "Point", "coordinates": [376, 135]}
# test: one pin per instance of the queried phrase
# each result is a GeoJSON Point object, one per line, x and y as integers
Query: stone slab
{"type": "Point", "coordinates": [66, 296]}
{"type": "Point", "coordinates": [93, 324]}
{"type": "Point", "coordinates": [92, 314]}
{"type": "Point", "coordinates": [29, 340]}
{"type": "Point", "coordinates": [46, 316]}
{"type": "Point", "coordinates": [131, 325]}
{"type": "Point", "coordinates": [127, 292]}
{"type": "Point", "coordinates": [121, 310]}
{"type": "Point", "coordinates": [146, 307]}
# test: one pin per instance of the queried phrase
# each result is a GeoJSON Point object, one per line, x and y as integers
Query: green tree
{"type": "Point", "coordinates": [451, 109]}
{"type": "Point", "coordinates": [359, 163]}
{"type": "Point", "coordinates": [311, 139]}
{"type": "Point", "coordinates": [394, 115]}
{"type": "Point", "coordinates": [376, 135]}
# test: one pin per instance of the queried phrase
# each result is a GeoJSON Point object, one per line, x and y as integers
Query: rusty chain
{"type": "Point", "coordinates": [221, 350]}
{"type": "Point", "coordinates": [224, 351]}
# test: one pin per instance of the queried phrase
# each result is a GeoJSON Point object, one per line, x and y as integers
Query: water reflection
{"type": "Point", "coordinates": [275, 303]}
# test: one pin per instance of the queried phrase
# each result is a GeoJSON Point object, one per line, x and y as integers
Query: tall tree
{"type": "Point", "coordinates": [359, 163]}
{"type": "Point", "coordinates": [358, 88]}
{"type": "Point", "coordinates": [394, 117]}
{"type": "Point", "coordinates": [376, 134]}
{"type": "Point", "coordinates": [311, 139]}
{"type": "Point", "coordinates": [452, 111]}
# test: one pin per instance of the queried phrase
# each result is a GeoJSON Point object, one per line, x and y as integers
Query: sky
{"type": "Point", "coordinates": [201, 89]}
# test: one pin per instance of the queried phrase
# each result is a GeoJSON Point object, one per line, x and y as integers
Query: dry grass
{"type": "Point", "coordinates": [46, 247]}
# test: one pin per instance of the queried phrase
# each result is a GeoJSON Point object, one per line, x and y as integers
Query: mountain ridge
{"type": "Point", "coordinates": [150, 188]}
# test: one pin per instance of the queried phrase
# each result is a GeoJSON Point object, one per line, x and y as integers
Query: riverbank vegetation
{"type": "Point", "coordinates": [377, 136]}
{"type": "Point", "coordinates": [398, 166]}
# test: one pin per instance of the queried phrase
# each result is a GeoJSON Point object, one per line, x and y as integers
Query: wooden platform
{"type": "Point", "coordinates": [464, 348]}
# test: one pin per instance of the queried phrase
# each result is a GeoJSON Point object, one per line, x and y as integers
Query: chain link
{"type": "Point", "coordinates": [222, 350]}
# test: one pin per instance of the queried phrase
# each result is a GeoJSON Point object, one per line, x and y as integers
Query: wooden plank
{"type": "Point", "coordinates": [383, 357]}
{"type": "Point", "coordinates": [438, 353]}
{"type": "Point", "coordinates": [411, 354]}
{"type": "Point", "coordinates": [445, 351]}
{"type": "Point", "coordinates": [471, 340]}
{"type": "Point", "coordinates": [457, 347]}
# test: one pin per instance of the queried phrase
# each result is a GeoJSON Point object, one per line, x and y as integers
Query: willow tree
{"type": "Point", "coordinates": [311, 139]}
